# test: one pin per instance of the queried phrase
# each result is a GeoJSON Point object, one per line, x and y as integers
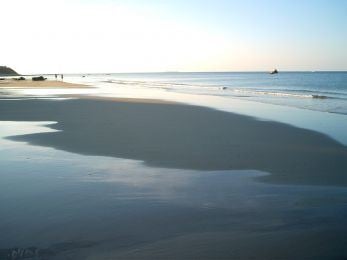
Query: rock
{"type": "Point", "coordinates": [40, 78]}
{"type": "Point", "coordinates": [20, 78]}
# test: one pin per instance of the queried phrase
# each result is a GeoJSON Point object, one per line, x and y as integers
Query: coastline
{"type": "Point", "coordinates": [10, 83]}
{"type": "Point", "coordinates": [124, 99]}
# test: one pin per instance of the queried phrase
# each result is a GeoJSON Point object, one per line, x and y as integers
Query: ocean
{"type": "Point", "coordinates": [319, 91]}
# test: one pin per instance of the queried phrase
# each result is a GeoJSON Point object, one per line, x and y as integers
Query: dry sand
{"type": "Point", "coordinates": [10, 83]}
{"type": "Point", "coordinates": [186, 137]}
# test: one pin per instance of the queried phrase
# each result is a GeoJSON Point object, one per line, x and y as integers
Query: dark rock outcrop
{"type": "Point", "coordinates": [40, 78]}
{"type": "Point", "coordinates": [20, 78]}
{"type": "Point", "coordinates": [6, 71]}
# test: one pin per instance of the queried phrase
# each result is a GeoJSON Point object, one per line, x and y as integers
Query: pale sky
{"type": "Point", "coordinates": [80, 36]}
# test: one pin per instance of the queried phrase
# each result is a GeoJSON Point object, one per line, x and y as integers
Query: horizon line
{"type": "Point", "coordinates": [173, 72]}
{"type": "Point", "coordinates": [183, 72]}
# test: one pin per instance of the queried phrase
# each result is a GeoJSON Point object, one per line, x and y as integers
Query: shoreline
{"type": "Point", "coordinates": [28, 83]}
{"type": "Point", "coordinates": [174, 135]}
{"type": "Point", "coordinates": [125, 99]}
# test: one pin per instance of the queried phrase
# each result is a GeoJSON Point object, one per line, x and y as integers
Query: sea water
{"type": "Point", "coordinates": [320, 91]}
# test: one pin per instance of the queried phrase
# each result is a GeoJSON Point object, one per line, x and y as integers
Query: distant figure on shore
{"type": "Point", "coordinates": [275, 71]}
{"type": "Point", "coordinates": [62, 77]}
{"type": "Point", "coordinates": [56, 76]}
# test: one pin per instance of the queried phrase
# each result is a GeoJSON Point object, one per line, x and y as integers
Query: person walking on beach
{"type": "Point", "coordinates": [62, 77]}
{"type": "Point", "coordinates": [56, 76]}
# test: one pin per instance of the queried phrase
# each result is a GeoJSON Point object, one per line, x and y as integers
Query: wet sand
{"type": "Point", "coordinates": [28, 83]}
{"type": "Point", "coordinates": [122, 100]}
{"type": "Point", "coordinates": [184, 137]}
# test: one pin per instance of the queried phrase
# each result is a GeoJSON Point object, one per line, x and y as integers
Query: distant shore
{"type": "Point", "coordinates": [28, 83]}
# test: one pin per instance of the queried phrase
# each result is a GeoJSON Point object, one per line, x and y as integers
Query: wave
{"type": "Point", "coordinates": [226, 90]}
{"type": "Point", "coordinates": [281, 94]}
{"type": "Point", "coordinates": [170, 86]}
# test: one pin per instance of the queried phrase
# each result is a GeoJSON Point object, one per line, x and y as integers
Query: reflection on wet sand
{"type": "Point", "coordinates": [72, 206]}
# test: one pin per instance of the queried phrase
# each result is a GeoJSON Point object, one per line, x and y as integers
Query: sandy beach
{"type": "Point", "coordinates": [107, 177]}
{"type": "Point", "coordinates": [184, 137]}
{"type": "Point", "coordinates": [28, 83]}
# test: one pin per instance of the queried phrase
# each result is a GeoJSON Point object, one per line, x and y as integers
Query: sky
{"type": "Point", "coordinates": [105, 36]}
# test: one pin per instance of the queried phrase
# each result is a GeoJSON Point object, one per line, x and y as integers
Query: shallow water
{"type": "Point", "coordinates": [90, 207]}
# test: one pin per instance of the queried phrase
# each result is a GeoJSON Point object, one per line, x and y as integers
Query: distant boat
{"type": "Point", "coordinates": [275, 71]}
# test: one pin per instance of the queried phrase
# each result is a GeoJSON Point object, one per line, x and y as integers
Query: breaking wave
{"type": "Point", "coordinates": [220, 90]}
